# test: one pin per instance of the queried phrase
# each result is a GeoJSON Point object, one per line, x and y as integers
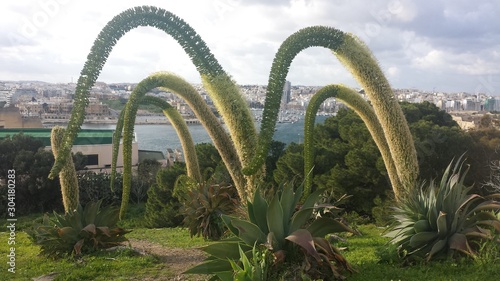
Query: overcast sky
{"type": "Point", "coordinates": [448, 46]}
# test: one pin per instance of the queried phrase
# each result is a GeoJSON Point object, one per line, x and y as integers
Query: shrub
{"type": "Point", "coordinates": [96, 186]}
{"type": "Point", "coordinates": [297, 249]}
{"type": "Point", "coordinates": [77, 232]}
{"type": "Point", "coordinates": [445, 219]}
{"type": "Point", "coordinates": [203, 207]}
{"type": "Point", "coordinates": [162, 208]}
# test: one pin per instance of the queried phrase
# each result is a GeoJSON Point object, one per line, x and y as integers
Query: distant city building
{"type": "Point", "coordinates": [287, 94]}
{"type": "Point", "coordinates": [96, 145]}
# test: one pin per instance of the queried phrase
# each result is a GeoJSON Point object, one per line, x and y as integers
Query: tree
{"type": "Point", "coordinates": [146, 177]}
{"type": "Point", "coordinates": [162, 208]}
{"type": "Point", "coordinates": [34, 191]}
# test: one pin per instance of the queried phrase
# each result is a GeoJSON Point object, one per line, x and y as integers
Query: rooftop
{"type": "Point", "coordinates": [85, 136]}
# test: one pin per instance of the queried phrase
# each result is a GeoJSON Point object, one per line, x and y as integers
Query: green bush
{"type": "Point", "coordinates": [444, 220]}
{"type": "Point", "coordinates": [78, 232]}
{"type": "Point", "coordinates": [162, 208]}
{"type": "Point", "coordinates": [203, 207]}
{"type": "Point", "coordinates": [96, 186]}
{"type": "Point", "coordinates": [296, 244]}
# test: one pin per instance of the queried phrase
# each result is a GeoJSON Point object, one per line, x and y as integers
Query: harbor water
{"type": "Point", "coordinates": [162, 136]}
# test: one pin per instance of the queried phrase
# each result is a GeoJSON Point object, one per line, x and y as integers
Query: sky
{"type": "Point", "coordinates": [432, 45]}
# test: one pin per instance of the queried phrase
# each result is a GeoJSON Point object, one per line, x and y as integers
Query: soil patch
{"type": "Point", "coordinates": [177, 260]}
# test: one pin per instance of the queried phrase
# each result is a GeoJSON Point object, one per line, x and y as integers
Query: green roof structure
{"type": "Point", "coordinates": [85, 136]}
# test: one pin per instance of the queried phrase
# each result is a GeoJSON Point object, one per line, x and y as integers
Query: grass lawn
{"type": "Point", "coordinates": [362, 253]}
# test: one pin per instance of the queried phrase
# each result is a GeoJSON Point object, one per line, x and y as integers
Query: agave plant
{"type": "Point", "coordinates": [444, 219]}
{"type": "Point", "coordinates": [286, 230]}
{"type": "Point", "coordinates": [80, 231]}
{"type": "Point", "coordinates": [204, 206]}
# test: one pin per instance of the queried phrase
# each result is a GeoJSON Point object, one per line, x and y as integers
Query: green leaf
{"type": "Point", "coordinates": [442, 226]}
{"type": "Point", "coordinates": [247, 266]}
{"type": "Point", "coordinates": [275, 220]}
{"type": "Point", "coordinates": [225, 250]}
{"type": "Point", "coordinates": [312, 198]}
{"type": "Point", "coordinates": [249, 232]}
{"type": "Point", "coordinates": [260, 211]}
{"type": "Point", "coordinates": [288, 206]}
{"type": "Point", "coordinates": [227, 221]}
{"type": "Point", "coordinates": [438, 246]}
{"type": "Point", "coordinates": [300, 218]}
{"type": "Point", "coordinates": [210, 267]}
{"type": "Point", "coordinates": [422, 238]}
{"type": "Point", "coordinates": [323, 226]}
{"type": "Point", "coordinates": [90, 212]}
{"type": "Point", "coordinates": [421, 226]}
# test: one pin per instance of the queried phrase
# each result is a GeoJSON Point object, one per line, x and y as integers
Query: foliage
{"type": "Point", "coordinates": [78, 232]}
{"type": "Point", "coordinates": [203, 207]}
{"type": "Point", "coordinates": [349, 162]}
{"type": "Point", "coordinates": [253, 269]}
{"type": "Point", "coordinates": [359, 60]}
{"type": "Point", "coordinates": [34, 191]}
{"type": "Point", "coordinates": [290, 164]}
{"type": "Point", "coordinates": [95, 186]}
{"type": "Point", "coordinates": [382, 212]}
{"type": "Point", "coordinates": [118, 265]}
{"type": "Point", "coordinates": [250, 151]}
{"type": "Point", "coordinates": [278, 225]}
{"type": "Point", "coordinates": [483, 157]}
{"type": "Point", "coordinates": [444, 219]}
{"type": "Point", "coordinates": [67, 175]}
{"type": "Point", "coordinates": [146, 177]}
{"type": "Point", "coordinates": [354, 101]}
{"type": "Point", "coordinates": [162, 208]}
{"type": "Point", "coordinates": [100, 266]}
{"type": "Point", "coordinates": [139, 96]}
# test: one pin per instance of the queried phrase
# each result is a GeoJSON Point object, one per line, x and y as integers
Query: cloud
{"type": "Point", "coordinates": [425, 44]}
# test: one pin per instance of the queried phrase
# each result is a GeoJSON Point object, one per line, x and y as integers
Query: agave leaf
{"type": "Point", "coordinates": [300, 218]}
{"type": "Point", "coordinates": [421, 226]}
{"type": "Point", "coordinates": [104, 230]}
{"type": "Point", "coordinates": [67, 233]}
{"type": "Point", "coordinates": [486, 206]}
{"type": "Point", "coordinates": [90, 228]}
{"type": "Point", "coordinates": [78, 246]}
{"type": "Point", "coordinates": [422, 238]}
{"type": "Point", "coordinates": [493, 223]}
{"type": "Point", "coordinates": [90, 212]}
{"type": "Point", "coordinates": [227, 221]}
{"type": "Point", "coordinates": [210, 267]}
{"type": "Point", "coordinates": [225, 250]}
{"type": "Point", "coordinates": [304, 239]}
{"type": "Point", "coordinates": [438, 246]}
{"type": "Point", "coordinates": [477, 232]}
{"type": "Point", "coordinates": [250, 212]}
{"type": "Point", "coordinates": [458, 241]}
{"type": "Point", "coordinates": [249, 232]}
{"type": "Point", "coordinates": [224, 276]}
{"type": "Point", "coordinates": [260, 211]}
{"type": "Point", "coordinates": [247, 266]}
{"type": "Point", "coordinates": [442, 226]}
{"type": "Point", "coordinates": [287, 205]}
{"type": "Point", "coordinates": [271, 242]}
{"type": "Point", "coordinates": [312, 199]}
{"type": "Point", "coordinates": [324, 226]}
{"type": "Point", "coordinates": [275, 220]}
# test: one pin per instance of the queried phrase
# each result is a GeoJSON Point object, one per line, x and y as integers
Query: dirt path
{"type": "Point", "coordinates": [177, 260]}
